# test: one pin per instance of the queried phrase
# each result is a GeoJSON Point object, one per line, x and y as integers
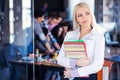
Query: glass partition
{"type": "Point", "coordinates": [16, 40]}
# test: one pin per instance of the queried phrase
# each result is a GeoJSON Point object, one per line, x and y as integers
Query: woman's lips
{"type": "Point", "coordinates": [85, 21]}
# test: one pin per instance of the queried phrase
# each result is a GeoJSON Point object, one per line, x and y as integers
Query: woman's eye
{"type": "Point", "coordinates": [87, 13]}
{"type": "Point", "coordinates": [79, 15]}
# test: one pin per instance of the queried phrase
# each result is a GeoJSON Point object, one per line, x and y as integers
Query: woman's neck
{"type": "Point", "coordinates": [84, 31]}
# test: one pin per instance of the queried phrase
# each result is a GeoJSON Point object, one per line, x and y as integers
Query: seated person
{"type": "Point", "coordinates": [41, 42]}
{"type": "Point", "coordinates": [60, 30]}
{"type": "Point", "coordinates": [45, 31]}
{"type": "Point", "coordinates": [57, 33]}
{"type": "Point", "coordinates": [52, 38]}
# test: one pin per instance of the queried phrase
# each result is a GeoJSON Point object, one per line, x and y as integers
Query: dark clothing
{"type": "Point", "coordinates": [3, 62]}
{"type": "Point", "coordinates": [4, 70]}
{"type": "Point", "coordinates": [91, 77]}
{"type": "Point", "coordinates": [39, 45]}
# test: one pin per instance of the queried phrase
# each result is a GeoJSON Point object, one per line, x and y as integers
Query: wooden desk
{"type": "Point", "coordinates": [34, 70]}
{"type": "Point", "coordinates": [44, 63]}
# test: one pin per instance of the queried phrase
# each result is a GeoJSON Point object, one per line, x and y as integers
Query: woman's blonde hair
{"type": "Point", "coordinates": [82, 5]}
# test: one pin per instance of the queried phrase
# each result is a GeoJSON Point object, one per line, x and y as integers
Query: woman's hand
{"type": "Point", "coordinates": [50, 51]}
{"type": "Point", "coordinates": [83, 62]}
{"type": "Point", "coordinates": [67, 73]}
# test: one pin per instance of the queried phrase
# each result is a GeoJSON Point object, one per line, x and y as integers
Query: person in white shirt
{"type": "Point", "coordinates": [86, 29]}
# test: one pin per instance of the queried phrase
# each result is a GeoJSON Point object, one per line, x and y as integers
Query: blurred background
{"type": "Point", "coordinates": [17, 28]}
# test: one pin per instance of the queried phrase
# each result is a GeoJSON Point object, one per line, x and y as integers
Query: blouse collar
{"type": "Point", "coordinates": [87, 35]}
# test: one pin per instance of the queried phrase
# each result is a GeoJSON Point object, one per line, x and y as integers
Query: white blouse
{"type": "Point", "coordinates": [95, 45]}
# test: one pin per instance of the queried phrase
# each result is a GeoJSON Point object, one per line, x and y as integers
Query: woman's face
{"type": "Point", "coordinates": [60, 31]}
{"type": "Point", "coordinates": [83, 17]}
{"type": "Point", "coordinates": [65, 29]}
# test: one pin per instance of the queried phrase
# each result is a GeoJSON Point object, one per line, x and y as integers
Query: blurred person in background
{"type": "Point", "coordinates": [57, 33]}
{"type": "Point", "coordinates": [53, 19]}
{"type": "Point", "coordinates": [45, 23]}
{"type": "Point", "coordinates": [60, 30]}
{"type": "Point", "coordinates": [66, 27]}
{"type": "Point", "coordinates": [40, 40]}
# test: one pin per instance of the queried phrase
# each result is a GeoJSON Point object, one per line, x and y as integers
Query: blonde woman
{"type": "Point", "coordinates": [85, 28]}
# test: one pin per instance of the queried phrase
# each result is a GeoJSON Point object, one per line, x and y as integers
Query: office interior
{"type": "Point", "coordinates": [17, 37]}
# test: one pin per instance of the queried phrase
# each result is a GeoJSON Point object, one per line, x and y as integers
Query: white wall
{"type": "Point", "coordinates": [72, 3]}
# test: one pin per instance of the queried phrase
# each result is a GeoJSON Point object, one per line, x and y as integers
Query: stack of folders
{"type": "Point", "coordinates": [75, 49]}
